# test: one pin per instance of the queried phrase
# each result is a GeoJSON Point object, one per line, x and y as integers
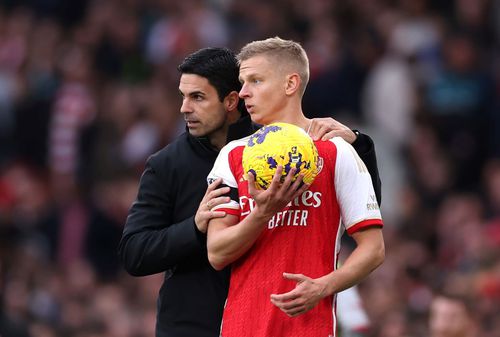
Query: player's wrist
{"type": "Point", "coordinates": [260, 214]}
{"type": "Point", "coordinates": [363, 143]}
{"type": "Point", "coordinates": [322, 286]}
{"type": "Point", "coordinates": [328, 281]}
{"type": "Point", "coordinates": [352, 136]}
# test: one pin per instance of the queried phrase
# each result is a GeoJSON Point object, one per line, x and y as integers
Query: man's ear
{"type": "Point", "coordinates": [292, 84]}
{"type": "Point", "coordinates": [231, 101]}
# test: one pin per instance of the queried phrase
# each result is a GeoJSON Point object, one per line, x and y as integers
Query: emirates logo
{"type": "Point", "coordinates": [320, 164]}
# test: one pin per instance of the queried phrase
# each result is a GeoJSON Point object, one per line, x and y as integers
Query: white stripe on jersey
{"type": "Point", "coordinates": [221, 169]}
{"type": "Point", "coordinates": [353, 186]}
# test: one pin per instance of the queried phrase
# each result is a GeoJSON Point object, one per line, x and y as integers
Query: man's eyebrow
{"type": "Point", "coordinates": [248, 76]}
{"type": "Point", "coordinates": [193, 93]}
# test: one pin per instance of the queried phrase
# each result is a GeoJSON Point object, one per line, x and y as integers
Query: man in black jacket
{"type": "Point", "coordinates": [166, 227]}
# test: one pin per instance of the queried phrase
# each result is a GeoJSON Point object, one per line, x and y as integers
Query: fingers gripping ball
{"type": "Point", "coordinates": [280, 144]}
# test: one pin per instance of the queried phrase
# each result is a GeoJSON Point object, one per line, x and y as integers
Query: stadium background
{"type": "Point", "coordinates": [88, 89]}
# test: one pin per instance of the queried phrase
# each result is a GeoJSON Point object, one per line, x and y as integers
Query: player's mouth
{"type": "Point", "coordinates": [191, 124]}
{"type": "Point", "coordinates": [249, 107]}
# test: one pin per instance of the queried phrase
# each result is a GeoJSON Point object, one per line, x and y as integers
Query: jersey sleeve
{"type": "Point", "coordinates": [222, 169]}
{"type": "Point", "coordinates": [357, 200]}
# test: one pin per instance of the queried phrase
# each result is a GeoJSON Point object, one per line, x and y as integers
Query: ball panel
{"type": "Point", "coordinates": [280, 144]}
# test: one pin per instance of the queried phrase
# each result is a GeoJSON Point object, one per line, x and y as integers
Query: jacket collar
{"type": "Point", "coordinates": [241, 128]}
{"type": "Point", "coordinates": [202, 145]}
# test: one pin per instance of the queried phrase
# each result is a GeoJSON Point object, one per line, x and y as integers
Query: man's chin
{"type": "Point", "coordinates": [196, 132]}
{"type": "Point", "coordinates": [258, 120]}
{"type": "Point", "coordinates": [255, 118]}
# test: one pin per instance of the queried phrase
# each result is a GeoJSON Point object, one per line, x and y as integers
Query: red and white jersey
{"type": "Point", "coordinates": [303, 238]}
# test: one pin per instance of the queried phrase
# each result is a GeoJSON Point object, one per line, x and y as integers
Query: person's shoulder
{"type": "Point", "coordinates": [237, 143]}
{"type": "Point", "coordinates": [176, 146]}
{"type": "Point", "coordinates": [337, 141]}
{"type": "Point", "coordinates": [340, 144]}
{"type": "Point", "coordinates": [335, 147]}
{"type": "Point", "coordinates": [331, 144]}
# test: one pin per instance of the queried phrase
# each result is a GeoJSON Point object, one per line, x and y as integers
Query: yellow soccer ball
{"type": "Point", "coordinates": [280, 144]}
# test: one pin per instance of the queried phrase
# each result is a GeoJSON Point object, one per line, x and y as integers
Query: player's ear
{"type": "Point", "coordinates": [292, 84]}
{"type": "Point", "coordinates": [231, 101]}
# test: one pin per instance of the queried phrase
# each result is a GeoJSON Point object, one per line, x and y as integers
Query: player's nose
{"type": "Point", "coordinates": [244, 92]}
{"type": "Point", "coordinates": [186, 106]}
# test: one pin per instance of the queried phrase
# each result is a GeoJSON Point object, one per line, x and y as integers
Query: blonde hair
{"type": "Point", "coordinates": [287, 52]}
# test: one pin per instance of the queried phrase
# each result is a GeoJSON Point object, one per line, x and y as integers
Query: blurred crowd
{"type": "Point", "coordinates": [88, 90]}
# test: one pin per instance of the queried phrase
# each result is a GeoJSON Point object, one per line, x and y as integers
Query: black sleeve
{"type": "Point", "coordinates": [365, 148]}
{"type": "Point", "coordinates": [150, 242]}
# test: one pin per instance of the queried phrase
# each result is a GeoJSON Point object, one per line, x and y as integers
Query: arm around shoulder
{"type": "Point", "coordinates": [150, 243]}
{"type": "Point", "coordinates": [365, 148]}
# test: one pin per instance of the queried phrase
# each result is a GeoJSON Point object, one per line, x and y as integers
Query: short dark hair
{"type": "Point", "coordinates": [218, 65]}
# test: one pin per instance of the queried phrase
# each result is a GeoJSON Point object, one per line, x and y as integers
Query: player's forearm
{"type": "Point", "coordinates": [366, 257]}
{"type": "Point", "coordinates": [226, 244]}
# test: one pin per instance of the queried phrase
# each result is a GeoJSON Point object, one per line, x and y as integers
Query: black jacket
{"type": "Point", "coordinates": [160, 234]}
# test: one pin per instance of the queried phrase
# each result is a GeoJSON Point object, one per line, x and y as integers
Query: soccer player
{"type": "Point", "coordinates": [284, 278]}
{"type": "Point", "coordinates": [166, 227]}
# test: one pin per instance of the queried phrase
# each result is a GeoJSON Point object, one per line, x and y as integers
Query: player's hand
{"type": "Point", "coordinates": [327, 128]}
{"type": "Point", "coordinates": [213, 197]}
{"type": "Point", "coordinates": [306, 294]}
{"type": "Point", "coordinates": [278, 194]}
